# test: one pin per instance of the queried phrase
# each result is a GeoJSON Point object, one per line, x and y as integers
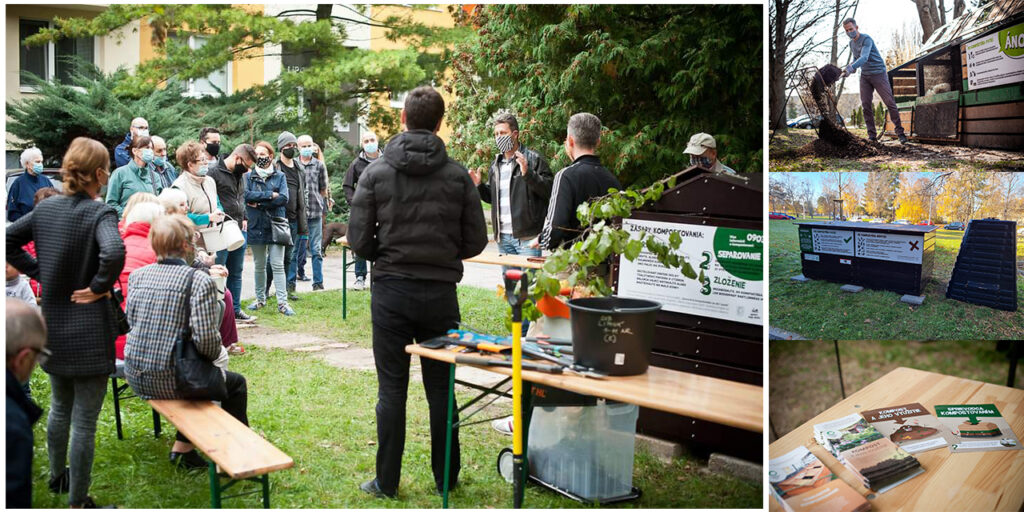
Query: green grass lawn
{"type": "Point", "coordinates": [819, 310]}
{"type": "Point", "coordinates": [324, 418]}
{"type": "Point", "coordinates": [803, 379]}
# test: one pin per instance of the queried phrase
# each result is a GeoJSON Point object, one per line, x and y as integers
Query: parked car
{"type": "Point", "coordinates": [779, 216]}
{"type": "Point", "coordinates": [902, 222]}
{"type": "Point", "coordinates": [955, 226]}
{"type": "Point", "coordinates": [926, 223]}
{"type": "Point", "coordinates": [803, 121]}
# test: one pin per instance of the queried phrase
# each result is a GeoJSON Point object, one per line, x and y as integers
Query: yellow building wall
{"type": "Point", "coordinates": [435, 16]}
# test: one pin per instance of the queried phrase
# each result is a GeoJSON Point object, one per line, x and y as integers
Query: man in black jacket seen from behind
{"type": "Point", "coordinates": [416, 215]}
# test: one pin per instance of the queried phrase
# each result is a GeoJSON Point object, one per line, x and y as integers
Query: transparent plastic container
{"type": "Point", "coordinates": [586, 451]}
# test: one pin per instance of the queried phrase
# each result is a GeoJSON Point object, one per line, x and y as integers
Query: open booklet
{"type": "Point", "coordinates": [977, 428]}
{"type": "Point", "coordinates": [880, 463]}
{"type": "Point", "coordinates": [801, 482]}
{"type": "Point", "coordinates": [910, 426]}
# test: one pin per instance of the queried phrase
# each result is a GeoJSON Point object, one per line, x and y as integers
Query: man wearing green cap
{"type": "Point", "coordinates": [704, 153]}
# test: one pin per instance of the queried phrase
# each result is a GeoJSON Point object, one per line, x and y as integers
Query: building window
{"type": "Point", "coordinates": [398, 99]}
{"type": "Point", "coordinates": [293, 59]}
{"type": "Point", "coordinates": [213, 84]}
{"type": "Point", "coordinates": [53, 60]}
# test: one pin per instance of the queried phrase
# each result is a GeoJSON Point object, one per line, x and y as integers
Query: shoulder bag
{"type": "Point", "coordinates": [195, 376]}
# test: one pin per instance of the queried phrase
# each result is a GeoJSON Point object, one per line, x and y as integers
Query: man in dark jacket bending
{"type": "Point", "coordinates": [416, 215]}
{"type": "Point", "coordinates": [26, 337]}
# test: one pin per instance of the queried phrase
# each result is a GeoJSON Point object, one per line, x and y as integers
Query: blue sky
{"type": "Point", "coordinates": [814, 178]}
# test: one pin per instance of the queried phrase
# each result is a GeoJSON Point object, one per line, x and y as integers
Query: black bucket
{"type": "Point", "coordinates": [613, 334]}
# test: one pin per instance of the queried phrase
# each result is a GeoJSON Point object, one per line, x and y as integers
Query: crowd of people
{"type": "Point", "coordinates": [120, 278]}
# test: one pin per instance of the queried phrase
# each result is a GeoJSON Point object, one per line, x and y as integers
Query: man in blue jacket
{"type": "Point", "coordinates": [26, 337]}
{"type": "Point", "coordinates": [123, 152]}
{"type": "Point", "coordinates": [873, 77]}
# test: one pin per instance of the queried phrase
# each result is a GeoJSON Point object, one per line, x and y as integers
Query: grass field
{"type": "Point", "coordinates": [324, 418]}
{"type": "Point", "coordinates": [803, 379]}
{"type": "Point", "coordinates": [819, 310]}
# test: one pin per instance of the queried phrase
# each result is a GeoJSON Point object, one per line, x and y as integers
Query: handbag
{"type": "Point", "coordinates": [280, 231]}
{"type": "Point", "coordinates": [120, 318]}
{"type": "Point", "coordinates": [195, 376]}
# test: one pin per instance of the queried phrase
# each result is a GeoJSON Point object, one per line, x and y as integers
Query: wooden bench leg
{"type": "Point", "coordinates": [117, 407]}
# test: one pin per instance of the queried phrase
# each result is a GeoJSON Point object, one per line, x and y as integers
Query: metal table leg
{"type": "Point", "coordinates": [448, 437]}
{"type": "Point", "coordinates": [344, 282]}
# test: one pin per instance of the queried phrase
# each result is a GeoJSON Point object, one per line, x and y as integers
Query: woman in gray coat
{"type": "Point", "coordinates": [79, 257]}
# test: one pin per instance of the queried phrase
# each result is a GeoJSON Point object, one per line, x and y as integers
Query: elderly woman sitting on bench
{"type": "Point", "coordinates": [156, 312]}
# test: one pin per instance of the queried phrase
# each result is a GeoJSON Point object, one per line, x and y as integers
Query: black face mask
{"type": "Point", "coordinates": [240, 168]}
{"type": "Point", "coordinates": [213, 148]}
{"type": "Point", "coordinates": [288, 152]}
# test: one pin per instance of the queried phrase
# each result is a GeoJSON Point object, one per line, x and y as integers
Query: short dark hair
{"type": "Point", "coordinates": [245, 150]}
{"type": "Point", "coordinates": [204, 131]}
{"type": "Point", "coordinates": [424, 108]}
{"type": "Point", "coordinates": [508, 119]}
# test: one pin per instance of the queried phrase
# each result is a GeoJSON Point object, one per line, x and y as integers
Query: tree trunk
{"type": "Point", "coordinates": [942, 12]}
{"type": "Point", "coordinates": [835, 36]}
{"type": "Point", "coordinates": [777, 69]}
{"type": "Point", "coordinates": [958, 8]}
{"type": "Point", "coordinates": [927, 12]}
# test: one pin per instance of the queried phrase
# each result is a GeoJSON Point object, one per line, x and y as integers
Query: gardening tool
{"type": "Point", "coordinates": [456, 339]}
{"type": "Point", "coordinates": [486, 361]}
{"type": "Point", "coordinates": [516, 300]}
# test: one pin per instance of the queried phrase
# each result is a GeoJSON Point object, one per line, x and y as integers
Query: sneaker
{"type": "Point", "coordinates": [256, 306]}
{"type": "Point", "coordinates": [303, 278]}
{"type": "Point", "coordinates": [61, 483]}
{"type": "Point", "coordinates": [292, 296]}
{"type": "Point", "coordinates": [360, 283]}
{"type": "Point", "coordinates": [373, 489]}
{"type": "Point", "coordinates": [873, 138]}
{"type": "Point", "coordinates": [503, 425]}
{"type": "Point", "coordinates": [903, 138]}
{"type": "Point", "coordinates": [188, 461]}
{"type": "Point", "coordinates": [244, 318]}
{"type": "Point", "coordinates": [318, 286]}
{"type": "Point", "coordinates": [285, 310]}
{"type": "Point", "coordinates": [89, 503]}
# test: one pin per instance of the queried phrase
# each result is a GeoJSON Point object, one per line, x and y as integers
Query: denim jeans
{"type": "Point", "coordinates": [234, 261]}
{"type": "Point", "coordinates": [300, 256]}
{"type": "Point", "coordinates": [260, 256]}
{"type": "Point", "coordinates": [289, 255]}
{"type": "Point", "coordinates": [74, 408]}
{"type": "Point", "coordinates": [316, 240]}
{"type": "Point", "coordinates": [508, 244]}
{"type": "Point", "coordinates": [404, 310]}
{"type": "Point", "coordinates": [360, 266]}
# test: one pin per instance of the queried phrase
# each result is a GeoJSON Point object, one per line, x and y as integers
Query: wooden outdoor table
{"type": "Point", "coordinates": [511, 260]}
{"type": "Point", "coordinates": [721, 401]}
{"type": "Point", "coordinates": [978, 481]}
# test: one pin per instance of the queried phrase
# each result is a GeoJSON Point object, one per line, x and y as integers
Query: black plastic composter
{"type": "Point", "coordinates": [986, 267]}
{"type": "Point", "coordinates": [613, 334]}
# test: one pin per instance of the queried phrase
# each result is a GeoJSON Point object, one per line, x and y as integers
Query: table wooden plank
{"type": "Point", "coordinates": [490, 258]}
{"type": "Point", "coordinates": [707, 398]}
{"type": "Point", "coordinates": [964, 481]}
{"type": "Point", "coordinates": [240, 452]}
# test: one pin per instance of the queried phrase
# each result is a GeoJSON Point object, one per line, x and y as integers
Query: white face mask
{"type": "Point", "coordinates": [143, 132]}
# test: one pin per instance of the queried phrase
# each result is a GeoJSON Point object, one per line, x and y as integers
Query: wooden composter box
{"type": "Point", "coordinates": [892, 257]}
{"type": "Point", "coordinates": [711, 327]}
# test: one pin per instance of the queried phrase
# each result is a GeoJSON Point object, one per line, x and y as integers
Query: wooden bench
{"type": "Point", "coordinates": [231, 446]}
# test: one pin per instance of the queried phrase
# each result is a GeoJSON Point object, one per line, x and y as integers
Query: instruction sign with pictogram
{"type": "Point", "coordinates": [889, 247]}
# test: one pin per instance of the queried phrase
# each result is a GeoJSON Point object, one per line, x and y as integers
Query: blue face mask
{"type": "Point", "coordinates": [306, 152]}
{"type": "Point", "coordinates": [147, 155]}
{"type": "Point", "coordinates": [160, 160]}
{"type": "Point", "coordinates": [370, 147]}
{"type": "Point", "coordinates": [203, 170]}
{"type": "Point", "coordinates": [851, 34]}
{"type": "Point", "coordinates": [37, 168]}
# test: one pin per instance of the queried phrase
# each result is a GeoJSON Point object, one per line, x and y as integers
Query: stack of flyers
{"type": "Point", "coordinates": [801, 482]}
{"type": "Point", "coordinates": [977, 428]}
{"type": "Point", "coordinates": [880, 463]}
{"type": "Point", "coordinates": [910, 426]}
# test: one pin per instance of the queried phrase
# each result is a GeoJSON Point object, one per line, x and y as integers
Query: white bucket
{"type": "Point", "coordinates": [225, 236]}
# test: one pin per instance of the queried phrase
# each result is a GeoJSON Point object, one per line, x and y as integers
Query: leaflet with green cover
{"type": "Point", "coordinates": [977, 428]}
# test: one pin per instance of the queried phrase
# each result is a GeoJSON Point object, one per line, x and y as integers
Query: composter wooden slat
{"type": "Point", "coordinates": [240, 452]}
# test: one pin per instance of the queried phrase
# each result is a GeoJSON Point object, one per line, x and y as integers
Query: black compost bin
{"type": "Point", "coordinates": [613, 334]}
{"type": "Point", "coordinates": [986, 266]}
{"type": "Point", "coordinates": [893, 257]}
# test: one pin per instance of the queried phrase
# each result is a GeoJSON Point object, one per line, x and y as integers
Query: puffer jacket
{"type": "Point", "coordinates": [416, 213]}
{"type": "Point", "coordinates": [260, 208]}
{"type": "Point", "coordinates": [137, 254]}
{"type": "Point", "coordinates": [528, 195]}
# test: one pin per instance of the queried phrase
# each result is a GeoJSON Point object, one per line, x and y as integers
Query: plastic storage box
{"type": "Point", "coordinates": [585, 452]}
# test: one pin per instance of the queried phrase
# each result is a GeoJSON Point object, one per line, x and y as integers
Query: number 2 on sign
{"type": "Point", "coordinates": [707, 260]}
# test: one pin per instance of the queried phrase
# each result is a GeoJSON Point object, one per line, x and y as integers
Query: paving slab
{"type": "Point", "coordinates": [851, 288]}
{"type": "Point", "coordinates": [915, 300]}
{"type": "Point", "coordinates": [800, 278]}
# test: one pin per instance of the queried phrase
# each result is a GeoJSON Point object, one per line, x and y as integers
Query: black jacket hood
{"type": "Point", "coordinates": [416, 152]}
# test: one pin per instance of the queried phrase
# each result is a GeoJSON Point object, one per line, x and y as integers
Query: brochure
{"type": "Point", "coordinates": [977, 428]}
{"type": "Point", "coordinates": [801, 482]}
{"type": "Point", "coordinates": [910, 426]}
{"type": "Point", "coordinates": [879, 462]}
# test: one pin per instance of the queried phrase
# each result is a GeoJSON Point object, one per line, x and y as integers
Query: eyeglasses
{"type": "Point", "coordinates": [42, 354]}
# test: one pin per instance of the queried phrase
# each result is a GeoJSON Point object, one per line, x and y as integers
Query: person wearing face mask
{"type": "Point", "coordinates": [135, 176]}
{"type": "Point", "coordinates": [369, 153]}
{"type": "Point", "coordinates": [518, 188]}
{"type": "Point", "coordinates": [209, 137]}
{"type": "Point", "coordinates": [20, 198]}
{"type": "Point", "coordinates": [202, 204]}
{"type": "Point", "coordinates": [582, 181]}
{"type": "Point", "coordinates": [316, 194]}
{"type": "Point", "coordinates": [123, 153]}
{"type": "Point", "coordinates": [295, 211]}
{"type": "Point", "coordinates": [79, 262]}
{"type": "Point", "coordinates": [164, 173]}
{"type": "Point", "coordinates": [704, 153]}
{"type": "Point", "coordinates": [26, 346]}
{"type": "Point", "coordinates": [266, 197]}
{"type": "Point", "coordinates": [873, 77]}
{"type": "Point", "coordinates": [229, 174]}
